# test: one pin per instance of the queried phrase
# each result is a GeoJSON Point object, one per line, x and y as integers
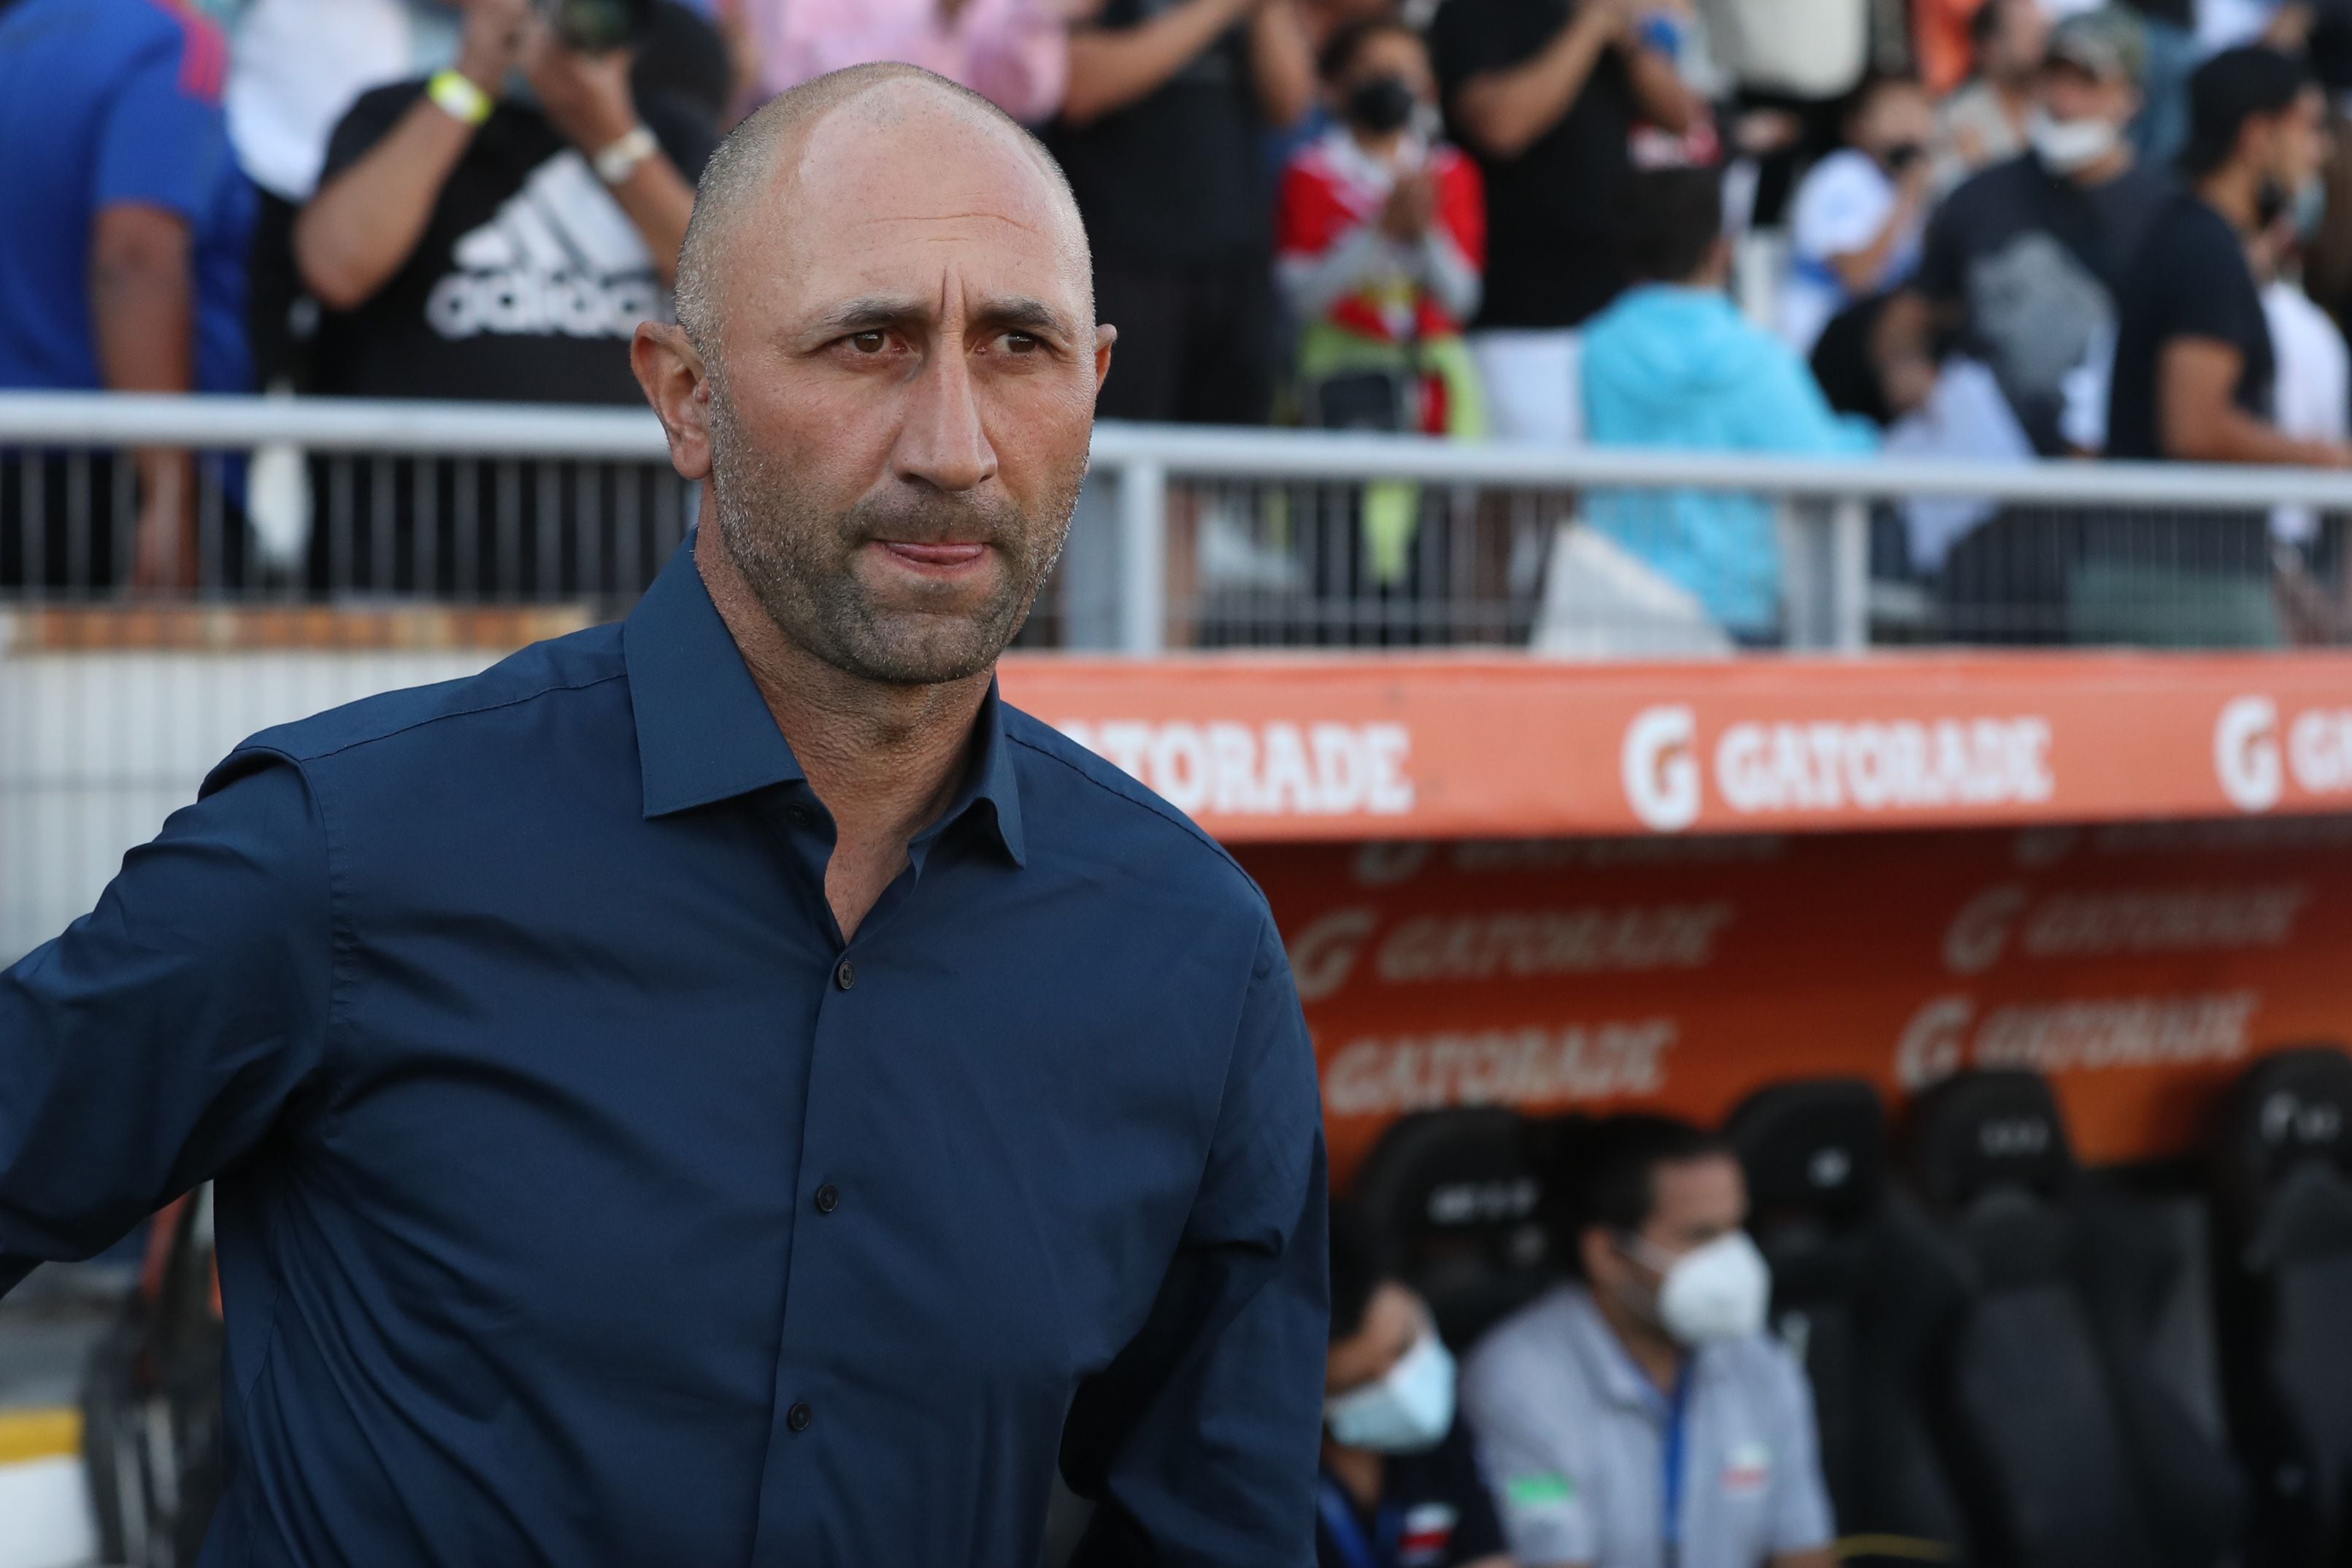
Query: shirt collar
{"type": "Point", "coordinates": [1611, 1365]}
{"type": "Point", "coordinates": [705, 734]}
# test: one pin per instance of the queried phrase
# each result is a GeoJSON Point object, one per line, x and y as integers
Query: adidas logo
{"type": "Point", "coordinates": [560, 259]}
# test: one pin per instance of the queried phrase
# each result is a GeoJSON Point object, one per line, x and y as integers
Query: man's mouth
{"type": "Point", "coordinates": [936, 556]}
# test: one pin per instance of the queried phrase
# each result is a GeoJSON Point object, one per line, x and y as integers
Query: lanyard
{"type": "Point", "coordinates": [1677, 1423]}
{"type": "Point", "coordinates": [1339, 1523]}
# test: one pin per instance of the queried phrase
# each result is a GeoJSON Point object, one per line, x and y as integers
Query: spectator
{"type": "Point", "coordinates": [121, 268]}
{"type": "Point", "coordinates": [2196, 370]}
{"type": "Point", "coordinates": [1160, 132]}
{"type": "Point", "coordinates": [1673, 363]}
{"type": "Point", "coordinates": [2023, 263]}
{"type": "Point", "coordinates": [1546, 94]}
{"type": "Point", "coordinates": [1399, 1482]}
{"type": "Point", "coordinates": [1013, 53]}
{"type": "Point", "coordinates": [2314, 396]}
{"type": "Point", "coordinates": [1641, 1416]}
{"type": "Point", "coordinates": [1983, 122]}
{"type": "Point", "coordinates": [1382, 238]}
{"type": "Point", "coordinates": [1855, 221]}
{"type": "Point", "coordinates": [470, 245]}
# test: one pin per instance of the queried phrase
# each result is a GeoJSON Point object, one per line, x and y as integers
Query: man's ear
{"type": "Point", "coordinates": [1105, 336]}
{"type": "Point", "coordinates": [677, 384]}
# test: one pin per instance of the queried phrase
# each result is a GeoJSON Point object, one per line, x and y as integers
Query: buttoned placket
{"type": "Point", "coordinates": [806, 833]}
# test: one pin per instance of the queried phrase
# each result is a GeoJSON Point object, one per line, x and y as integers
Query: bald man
{"type": "Point", "coordinates": [724, 1087]}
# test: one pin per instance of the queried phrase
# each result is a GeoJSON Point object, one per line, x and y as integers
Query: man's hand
{"type": "Point", "coordinates": [493, 43]}
{"type": "Point", "coordinates": [585, 96]}
{"type": "Point", "coordinates": [1410, 205]}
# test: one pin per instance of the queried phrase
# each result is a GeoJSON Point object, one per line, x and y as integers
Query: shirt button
{"type": "Point", "coordinates": [799, 1416]}
{"type": "Point", "coordinates": [800, 817]}
{"type": "Point", "coordinates": [843, 975]}
{"type": "Point", "coordinates": [829, 1198]}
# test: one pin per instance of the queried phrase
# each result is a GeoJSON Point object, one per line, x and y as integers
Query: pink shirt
{"type": "Point", "coordinates": [1014, 53]}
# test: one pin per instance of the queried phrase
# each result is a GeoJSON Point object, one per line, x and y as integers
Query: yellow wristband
{"type": "Point", "coordinates": [458, 98]}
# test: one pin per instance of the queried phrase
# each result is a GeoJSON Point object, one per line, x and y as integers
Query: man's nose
{"type": "Point", "coordinates": [942, 443]}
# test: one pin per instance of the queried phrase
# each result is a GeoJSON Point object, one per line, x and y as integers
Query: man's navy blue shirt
{"type": "Point", "coordinates": [585, 1199]}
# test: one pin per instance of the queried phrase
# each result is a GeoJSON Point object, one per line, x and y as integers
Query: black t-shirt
{"type": "Point", "coordinates": [529, 278]}
{"type": "Point", "coordinates": [2191, 279]}
{"type": "Point", "coordinates": [1176, 178]}
{"type": "Point", "coordinates": [1554, 240]}
{"type": "Point", "coordinates": [2035, 263]}
{"type": "Point", "coordinates": [1433, 1504]}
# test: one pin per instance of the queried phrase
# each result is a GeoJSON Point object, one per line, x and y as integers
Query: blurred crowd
{"type": "Point", "coordinates": [1985, 229]}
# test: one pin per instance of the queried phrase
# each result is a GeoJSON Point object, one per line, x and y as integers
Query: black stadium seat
{"type": "Point", "coordinates": [1457, 1195]}
{"type": "Point", "coordinates": [2061, 1440]}
{"type": "Point", "coordinates": [2282, 1280]}
{"type": "Point", "coordinates": [1865, 1295]}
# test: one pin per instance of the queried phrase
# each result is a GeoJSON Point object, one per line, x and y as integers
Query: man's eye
{"type": "Point", "coordinates": [1021, 343]}
{"type": "Point", "coordinates": [870, 342]}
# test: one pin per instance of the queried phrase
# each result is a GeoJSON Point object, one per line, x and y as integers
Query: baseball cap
{"type": "Point", "coordinates": [2108, 43]}
{"type": "Point", "coordinates": [2231, 89]}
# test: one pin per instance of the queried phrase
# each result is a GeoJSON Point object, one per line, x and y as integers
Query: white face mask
{"type": "Point", "coordinates": [1405, 1412]}
{"type": "Point", "coordinates": [1715, 1292]}
{"type": "Point", "coordinates": [2069, 146]}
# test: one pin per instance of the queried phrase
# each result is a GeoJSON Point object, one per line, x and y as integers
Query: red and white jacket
{"type": "Point", "coordinates": [1336, 265]}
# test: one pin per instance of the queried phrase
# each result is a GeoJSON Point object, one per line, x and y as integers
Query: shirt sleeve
{"type": "Point", "coordinates": [2209, 293]}
{"type": "Point", "coordinates": [160, 1036]}
{"type": "Point", "coordinates": [365, 124]}
{"type": "Point", "coordinates": [1200, 1442]}
{"type": "Point", "coordinates": [165, 139]}
{"type": "Point", "coordinates": [1802, 1519]}
{"type": "Point", "coordinates": [1526, 1446]}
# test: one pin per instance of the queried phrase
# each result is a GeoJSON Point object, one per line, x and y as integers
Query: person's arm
{"type": "Point", "coordinates": [1021, 58]}
{"type": "Point", "coordinates": [1505, 112]}
{"type": "Point", "coordinates": [1863, 270]}
{"type": "Point", "coordinates": [1113, 67]}
{"type": "Point", "coordinates": [2199, 419]}
{"type": "Point", "coordinates": [587, 98]}
{"type": "Point", "coordinates": [163, 1036]}
{"type": "Point", "coordinates": [1200, 1440]}
{"type": "Point", "coordinates": [1527, 1430]}
{"type": "Point", "coordinates": [1282, 63]}
{"type": "Point", "coordinates": [142, 306]}
{"type": "Point", "coordinates": [1660, 94]}
{"type": "Point", "coordinates": [365, 220]}
{"type": "Point", "coordinates": [161, 150]}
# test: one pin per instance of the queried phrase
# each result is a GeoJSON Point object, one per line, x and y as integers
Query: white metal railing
{"type": "Point", "coordinates": [1827, 580]}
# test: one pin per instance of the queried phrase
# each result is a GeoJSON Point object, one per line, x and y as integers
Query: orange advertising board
{"type": "Point", "coordinates": [2140, 966]}
{"type": "Point", "coordinates": [1264, 748]}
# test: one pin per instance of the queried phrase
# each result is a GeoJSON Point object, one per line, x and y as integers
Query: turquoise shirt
{"type": "Point", "coordinates": [1678, 367]}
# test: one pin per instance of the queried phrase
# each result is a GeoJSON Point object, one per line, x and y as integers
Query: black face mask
{"type": "Point", "coordinates": [1380, 105]}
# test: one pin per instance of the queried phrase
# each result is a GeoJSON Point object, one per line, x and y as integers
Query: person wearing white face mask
{"type": "Point", "coordinates": [1640, 1417]}
{"type": "Point", "coordinates": [2022, 262]}
{"type": "Point", "coordinates": [1400, 1484]}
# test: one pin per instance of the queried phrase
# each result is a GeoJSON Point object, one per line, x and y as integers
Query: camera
{"type": "Point", "coordinates": [598, 26]}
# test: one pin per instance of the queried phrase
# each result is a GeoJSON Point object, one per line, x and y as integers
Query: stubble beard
{"type": "Point", "coordinates": [801, 562]}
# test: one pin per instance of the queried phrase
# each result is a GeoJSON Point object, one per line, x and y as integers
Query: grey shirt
{"type": "Point", "coordinates": [1574, 1439]}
